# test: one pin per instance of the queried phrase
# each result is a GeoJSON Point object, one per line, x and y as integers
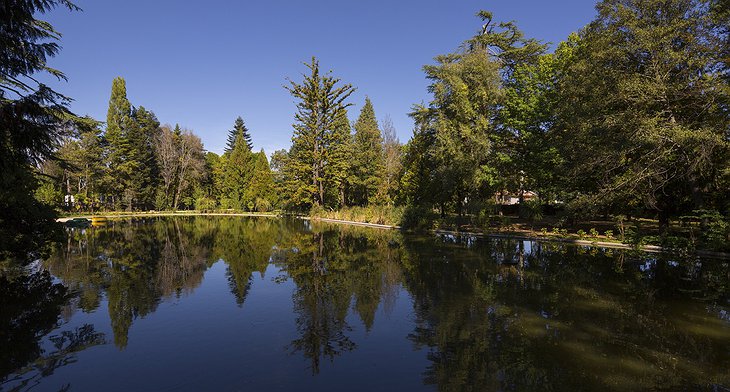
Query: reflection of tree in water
{"type": "Point", "coordinates": [245, 245]}
{"type": "Point", "coordinates": [65, 345]}
{"type": "Point", "coordinates": [136, 263]}
{"type": "Point", "coordinates": [546, 316]}
{"type": "Point", "coordinates": [333, 269]}
{"type": "Point", "coordinates": [29, 308]}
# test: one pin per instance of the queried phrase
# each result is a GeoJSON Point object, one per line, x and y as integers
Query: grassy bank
{"type": "Point", "coordinates": [379, 215]}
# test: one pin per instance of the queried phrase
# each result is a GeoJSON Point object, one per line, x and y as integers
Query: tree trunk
{"type": "Point", "coordinates": [663, 222]}
{"type": "Point", "coordinates": [698, 201]}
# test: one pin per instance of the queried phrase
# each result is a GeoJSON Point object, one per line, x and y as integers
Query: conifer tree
{"type": "Point", "coordinates": [122, 166]}
{"type": "Point", "coordinates": [31, 115]}
{"type": "Point", "coordinates": [142, 134]}
{"type": "Point", "coordinates": [237, 172]}
{"type": "Point", "coordinates": [339, 160]}
{"type": "Point", "coordinates": [259, 194]}
{"type": "Point", "coordinates": [239, 131]}
{"type": "Point", "coordinates": [367, 157]}
{"type": "Point", "coordinates": [321, 102]}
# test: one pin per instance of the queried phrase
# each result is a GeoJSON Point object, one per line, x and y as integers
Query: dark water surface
{"type": "Point", "coordinates": [251, 304]}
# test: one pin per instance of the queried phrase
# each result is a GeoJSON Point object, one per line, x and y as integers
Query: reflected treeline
{"type": "Point", "coordinates": [517, 315]}
{"type": "Point", "coordinates": [490, 314]}
{"type": "Point", "coordinates": [134, 264]}
{"type": "Point", "coordinates": [337, 269]}
{"type": "Point", "coordinates": [30, 306]}
{"type": "Point", "coordinates": [246, 246]}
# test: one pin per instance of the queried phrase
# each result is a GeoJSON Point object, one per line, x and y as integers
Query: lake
{"type": "Point", "coordinates": [251, 304]}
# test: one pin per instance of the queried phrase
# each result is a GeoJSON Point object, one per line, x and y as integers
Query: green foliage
{"type": "Point", "coordinates": [458, 151]}
{"type": "Point", "coordinates": [48, 194]}
{"type": "Point", "coordinates": [320, 106]}
{"type": "Point", "coordinates": [418, 218]}
{"type": "Point", "coordinates": [627, 109]}
{"type": "Point", "coordinates": [377, 214]}
{"type": "Point", "coordinates": [238, 173]}
{"type": "Point", "coordinates": [205, 204]}
{"type": "Point", "coordinates": [593, 232]}
{"type": "Point", "coordinates": [32, 116]}
{"type": "Point", "coordinates": [367, 159]}
{"type": "Point", "coordinates": [119, 155]}
{"type": "Point", "coordinates": [259, 194]}
{"type": "Point", "coordinates": [531, 210]}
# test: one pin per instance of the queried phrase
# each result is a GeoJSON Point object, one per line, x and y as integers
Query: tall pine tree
{"type": "Point", "coordinates": [239, 131]}
{"type": "Point", "coordinates": [237, 171]}
{"type": "Point", "coordinates": [368, 160]}
{"type": "Point", "coordinates": [321, 102]}
{"type": "Point", "coordinates": [122, 166]}
{"type": "Point", "coordinates": [144, 129]}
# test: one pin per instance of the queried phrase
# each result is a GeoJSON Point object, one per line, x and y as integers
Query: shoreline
{"type": "Point", "coordinates": [515, 236]}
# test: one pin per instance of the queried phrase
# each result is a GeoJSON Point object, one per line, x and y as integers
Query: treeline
{"type": "Point", "coordinates": [628, 116]}
{"type": "Point", "coordinates": [136, 164]}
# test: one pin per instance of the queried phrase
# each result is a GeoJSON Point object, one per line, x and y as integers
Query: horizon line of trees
{"type": "Point", "coordinates": [630, 115]}
{"type": "Point", "coordinates": [627, 116]}
{"type": "Point", "coordinates": [136, 164]}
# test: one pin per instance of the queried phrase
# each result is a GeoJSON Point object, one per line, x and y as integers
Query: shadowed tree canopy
{"type": "Point", "coordinates": [644, 109]}
{"type": "Point", "coordinates": [31, 118]}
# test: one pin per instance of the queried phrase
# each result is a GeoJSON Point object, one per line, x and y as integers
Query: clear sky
{"type": "Point", "coordinates": [201, 64]}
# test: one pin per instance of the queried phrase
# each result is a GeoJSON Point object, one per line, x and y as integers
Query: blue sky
{"type": "Point", "coordinates": [202, 64]}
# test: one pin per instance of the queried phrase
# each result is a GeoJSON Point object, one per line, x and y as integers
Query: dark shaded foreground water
{"type": "Point", "coordinates": [234, 304]}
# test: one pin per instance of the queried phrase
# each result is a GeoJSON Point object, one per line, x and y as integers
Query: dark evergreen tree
{"type": "Point", "coordinates": [239, 131]}
{"type": "Point", "coordinates": [237, 173]}
{"type": "Point", "coordinates": [119, 155]}
{"type": "Point", "coordinates": [367, 158]}
{"type": "Point", "coordinates": [31, 115]}
{"type": "Point", "coordinates": [144, 129]}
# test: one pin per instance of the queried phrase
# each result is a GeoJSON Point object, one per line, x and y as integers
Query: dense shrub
{"type": "Point", "coordinates": [418, 218]}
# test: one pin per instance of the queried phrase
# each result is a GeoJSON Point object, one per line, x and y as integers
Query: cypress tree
{"type": "Point", "coordinates": [118, 122]}
{"type": "Point", "coordinates": [237, 172]}
{"type": "Point", "coordinates": [259, 194]}
{"type": "Point", "coordinates": [142, 134]}
{"type": "Point", "coordinates": [367, 157]}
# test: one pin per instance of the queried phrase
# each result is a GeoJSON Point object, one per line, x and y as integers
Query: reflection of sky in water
{"type": "Point", "coordinates": [559, 314]}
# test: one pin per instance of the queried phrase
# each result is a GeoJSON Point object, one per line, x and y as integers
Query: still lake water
{"type": "Point", "coordinates": [252, 304]}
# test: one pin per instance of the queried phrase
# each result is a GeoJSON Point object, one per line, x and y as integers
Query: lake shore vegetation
{"type": "Point", "coordinates": [622, 132]}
